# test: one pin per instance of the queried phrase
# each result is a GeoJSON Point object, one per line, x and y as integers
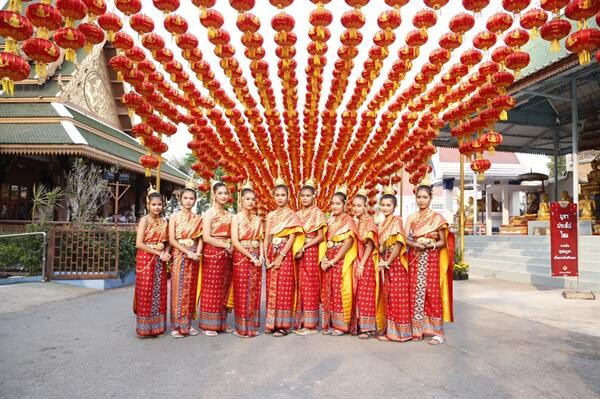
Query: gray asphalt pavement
{"type": "Point", "coordinates": [86, 347]}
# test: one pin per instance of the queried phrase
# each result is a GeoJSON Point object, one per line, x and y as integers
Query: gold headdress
{"type": "Point", "coordinates": [363, 192]}
{"type": "Point", "coordinates": [389, 190]}
{"type": "Point", "coordinates": [151, 190]}
{"type": "Point", "coordinates": [341, 190]}
{"type": "Point", "coordinates": [426, 181]}
{"type": "Point", "coordinates": [191, 184]}
{"type": "Point", "coordinates": [310, 183]}
{"type": "Point", "coordinates": [279, 182]}
{"type": "Point", "coordinates": [247, 186]}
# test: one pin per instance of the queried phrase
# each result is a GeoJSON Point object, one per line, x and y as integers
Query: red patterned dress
{"type": "Point", "coordinates": [216, 276]}
{"type": "Point", "coordinates": [430, 275]}
{"type": "Point", "coordinates": [184, 272]}
{"type": "Point", "coordinates": [281, 282]}
{"type": "Point", "coordinates": [367, 287]}
{"type": "Point", "coordinates": [336, 281]}
{"type": "Point", "coordinates": [247, 277]}
{"type": "Point", "coordinates": [396, 284]}
{"type": "Point", "coordinates": [309, 269]}
{"type": "Point", "coordinates": [150, 300]}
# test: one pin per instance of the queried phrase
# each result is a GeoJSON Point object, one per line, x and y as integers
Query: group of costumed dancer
{"type": "Point", "coordinates": [376, 281]}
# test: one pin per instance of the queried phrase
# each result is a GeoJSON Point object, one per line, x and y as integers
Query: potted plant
{"type": "Point", "coordinates": [461, 268]}
{"type": "Point", "coordinates": [44, 201]}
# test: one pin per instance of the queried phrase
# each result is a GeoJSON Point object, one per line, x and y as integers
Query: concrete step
{"type": "Point", "coordinates": [538, 280]}
{"type": "Point", "coordinates": [585, 262]}
{"type": "Point", "coordinates": [541, 269]}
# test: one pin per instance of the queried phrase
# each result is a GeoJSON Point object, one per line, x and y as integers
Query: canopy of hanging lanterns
{"type": "Point", "coordinates": [358, 124]}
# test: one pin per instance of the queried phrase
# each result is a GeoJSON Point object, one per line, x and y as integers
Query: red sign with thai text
{"type": "Point", "coordinates": [563, 239]}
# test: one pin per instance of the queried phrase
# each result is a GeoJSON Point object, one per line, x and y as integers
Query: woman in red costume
{"type": "Point", "coordinates": [216, 265]}
{"type": "Point", "coordinates": [283, 239]}
{"type": "Point", "coordinates": [394, 267]}
{"type": "Point", "coordinates": [431, 260]}
{"type": "Point", "coordinates": [150, 298]}
{"type": "Point", "coordinates": [308, 260]}
{"type": "Point", "coordinates": [366, 277]}
{"type": "Point", "coordinates": [247, 233]}
{"type": "Point", "coordinates": [338, 267]}
{"type": "Point", "coordinates": [185, 230]}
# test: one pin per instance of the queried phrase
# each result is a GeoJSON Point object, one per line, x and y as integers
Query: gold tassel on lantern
{"type": "Point", "coordinates": [8, 86]}
{"type": "Point", "coordinates": [503, 115]}
{"type": "Point", "coordinates": [70, 55]}
{"type": "Point", "coordinates": [555, 46]}
{"type": "Point", "coordinates": [585, 58]}
{"type": "Point", "coordinates": [41, 69]}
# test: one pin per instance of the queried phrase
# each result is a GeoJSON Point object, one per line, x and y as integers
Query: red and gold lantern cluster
{"type": "Point", "coordinates": [14, 28]}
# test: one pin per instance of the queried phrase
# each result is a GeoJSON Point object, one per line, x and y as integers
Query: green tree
{"type": "Point", "coordinates": [561, 163]}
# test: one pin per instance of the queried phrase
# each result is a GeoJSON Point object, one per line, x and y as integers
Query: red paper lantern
{"type": "Point", "coordinates": [137, 55]}
{"type": "Point", "coordinates": [583, 42]}
{"type": "Point", "coordinates": [93, 34]}
{"type": "Point", "coordinates": [461, 23]}
{"type": "Point", "coordinates": [491, 140]}
{"type": "Point", "coordinates": [499, 22]}
{"type": "Point", "coordinates": [283, 22]}
{"type": "Point", "coordinates": [503, 79]}
{"type": "Point", "coordinates": [475, 5]}
{"type": "Point", "coordinates": [554, 30]}
{"type": "Point", "coordinates": [484, 40]}
{"type": "Point", "coordinates": [471, 57]}
{"type": "Point", "coordinates": [211, 19]}
{"type": "Point", "coordinates": [515, 6]}
{"type": "Point", "coordinates": [450, 41]}
{"type": "Point", "coordinates": [533, 20]}
{"type": "Point", "coordinates": [15, 28]}
{"type": "Point", "coordinates": [141, 130]}
{"type": "Point", "coordinates": [122, 41]}
{"type": "Point", "coordinates": [553, 5]}
{"type": "Point", "coordinates": [111, 23]}
{"type": "Point", "coordinates": [71, 10]}
{"type": "Point", "coordinates": [435, 4]}
{"type": "Point", "coordinates": [175, 24]}
{"type": "Point", "coordinates": [248, 23]}
{"type": "Point", "coordinates": [517, 61]}
{"type": "Point", "coordinates": [44, 17]}
{"type": "Point", "coordinates": [129, 7]}
{"type": "Point", "coordinates": [390, 19]}
{"type": "Point", "coordinates": [149, 162]}
{"type": "Point", "coordinates": [480, 166]}
{"type": "Point", "coordinates": [42, 52]}
{"type": "Point", "coordinates": [12, 69]}
{"type": "Point", "coordinates": [424, 19]}
{"type": "Point", "coordinates": [416, 38]}
{"type": "Point", "coordinates": [516, 38]}
{"type": "Point", "coordinates": [153, 41]}
{"type": "Point", "coordinates": [95, 8]}
{"type": "Point", "coordinates": [166, 6]}
{"type": "Point", "coordinates": [141, 23]}
{"type": "Point", "coordinates": [70, 39]}
{"type": "Point", "coordinates": [503, 103]}
{"type": "Point", "coordinates": [582, 10]}
{"type": "Point", "coordinates": [353, 19]}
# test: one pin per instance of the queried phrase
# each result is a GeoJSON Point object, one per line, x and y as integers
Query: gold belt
{"type": "Point", "coordinates": [186, 242]}
{"type": "Point", "coordinates": [158, 246]}
{"type": "Point", "coordinates": [333, 244]}
{"type": "Point", "coordinates": [250, 243]}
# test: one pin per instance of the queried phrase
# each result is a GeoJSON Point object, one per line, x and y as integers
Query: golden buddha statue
{"type": "Point", "coordinates": [593, 178]}
{"type": "Point", "coordinates": [544, 209]}
{"type": "Point", "coordinates": [587, 207]}
{"type": "Point", "coordinates": [565, 197]}
{"type": "Point", "coordinates": [469, 211]}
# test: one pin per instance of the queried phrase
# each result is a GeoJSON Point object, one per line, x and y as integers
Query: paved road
{"type": "Point", "coordinates": [85, 347]}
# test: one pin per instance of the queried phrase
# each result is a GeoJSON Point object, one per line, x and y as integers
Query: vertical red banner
{"type": "Point", "coordinates": [563, 239]}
